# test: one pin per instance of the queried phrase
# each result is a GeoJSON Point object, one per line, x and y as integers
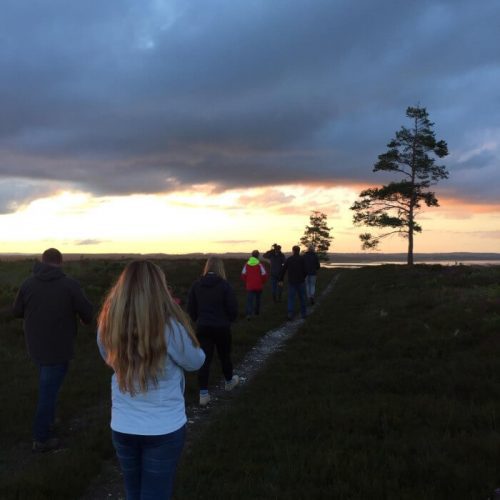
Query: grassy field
{"type": "Point", "coordinates": [391, 390]}
{"type": "Point", "coordinates": [84, 400]}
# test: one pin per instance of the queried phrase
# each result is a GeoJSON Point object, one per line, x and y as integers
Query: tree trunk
{"type": "Point", "coordinates": [409, 259]}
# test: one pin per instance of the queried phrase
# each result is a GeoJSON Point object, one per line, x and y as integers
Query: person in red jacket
{"type": "Point", "coordinates": [254, 275]}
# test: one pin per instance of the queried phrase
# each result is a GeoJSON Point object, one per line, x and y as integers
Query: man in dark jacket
{"type": "Point", "coordinates": [312, 265]}
{"type": "Point", "coordinates": [49, 302]}
{"type": "Point", "coordinates": [277, 261]}
{"type": "Point", "coordinates": [296, 268]}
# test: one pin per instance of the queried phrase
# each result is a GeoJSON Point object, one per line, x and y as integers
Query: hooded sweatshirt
{"type": "Point", "coordinates": [254, 275]}
{"type": "Point", "coordinates": [49, 302]}
{"type": "Point", "coordinates": [212, 302]}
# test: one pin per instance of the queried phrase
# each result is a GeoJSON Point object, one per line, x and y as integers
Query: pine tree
{"type": "Point", "coordinates": [397, 204]}
{"type": "Point", "coordinates": [317, 233]}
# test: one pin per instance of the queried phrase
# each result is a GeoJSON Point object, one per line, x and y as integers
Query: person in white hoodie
{"type": "Point", "coordinates": [146, 338]}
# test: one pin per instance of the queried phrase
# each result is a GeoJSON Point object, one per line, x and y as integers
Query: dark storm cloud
{"type": "Point", "coordinates": [141, 97]}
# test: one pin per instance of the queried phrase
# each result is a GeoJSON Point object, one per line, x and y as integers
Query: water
{"type": "Point", "coordinates": [354, 264]}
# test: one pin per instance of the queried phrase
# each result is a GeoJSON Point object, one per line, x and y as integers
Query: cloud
{"type": "Point", "coordinates": [122, 98]}
{"type": "Point", "coordinates": [89, 242]}
{"type": "Point", "coordinates": [234, 242]}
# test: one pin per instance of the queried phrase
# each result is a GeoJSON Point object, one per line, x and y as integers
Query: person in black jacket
{"type": "Point", "coordinates": [312, 265]}
{"type": "Point", "coordinates": [296, 268]}
{"type": "Point", "coordinates": [277, 260]}
{"type": "Point", "coordinates": [49, 302]}
{"type": "Point", "coordinates": [212, 305]}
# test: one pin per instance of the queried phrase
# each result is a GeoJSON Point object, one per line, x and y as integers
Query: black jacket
{"type": "Point", "coordinates": [212, 302]}
{"type": "Point", "coordinates": [277, 259]}
{"type": "Point", "coordinates": [49, 302]}
{"type": "Point", "coordinates": [312, 262]}
{"type": "Point", "coordinates": [296, 267]}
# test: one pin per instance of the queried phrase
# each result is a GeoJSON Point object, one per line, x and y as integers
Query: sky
{"type": "Point", "coordinates": [196, 126]}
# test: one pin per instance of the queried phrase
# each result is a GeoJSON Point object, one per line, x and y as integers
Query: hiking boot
{"type": "Point", "coordinates": [44, 446]}
{"type": "Point", "coordinates": [204, 399]}
{"type": "Point", "coordinates": [229, 386]}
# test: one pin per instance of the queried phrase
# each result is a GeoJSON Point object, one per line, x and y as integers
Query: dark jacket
{"type": "Point", "coordinates": [49, 302]}
{"type": "Point", "coordinates": [277, 260]}
{"type": "Point", "coordinates": [312, 262]}
{"type": "Point", "coordinates": [212, 302]}
{"type": "Point", "coordinates": [296, 267]}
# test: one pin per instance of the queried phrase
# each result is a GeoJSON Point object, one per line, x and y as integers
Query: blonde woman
{"type": "Point", "coordinates": [213, 306]}
{"type": "Point", "coordinates": [148, 341]}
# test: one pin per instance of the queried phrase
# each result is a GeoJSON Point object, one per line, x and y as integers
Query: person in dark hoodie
{"type": "Point", "coordinates": [312, 266]}
{"type": "Point", "coordinates": [277, 260]}
{"type": "Point", "coordinates": [296, 268]}
{"type": "Point", "coordinates": [213, 306]}
{"type": "Point", "coordinates": [50, 302]}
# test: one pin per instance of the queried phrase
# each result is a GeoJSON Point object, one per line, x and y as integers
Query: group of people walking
{"type": "Point", "coordinates": [301, 269]}
{"type": "Point", "coordinates": [148, 340]}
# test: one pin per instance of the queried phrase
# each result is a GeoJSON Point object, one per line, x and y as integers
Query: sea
{"type": "Point", "coordinates": [355, 264]}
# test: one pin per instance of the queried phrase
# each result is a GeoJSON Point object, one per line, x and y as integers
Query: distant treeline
{"type": "Point", "coordinates": [333, 256]}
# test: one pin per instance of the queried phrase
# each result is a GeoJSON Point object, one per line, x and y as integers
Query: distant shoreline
{"type": "Point", "coordinates": [340, 258]}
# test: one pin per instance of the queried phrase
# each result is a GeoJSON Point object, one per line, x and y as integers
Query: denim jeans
{"type": "Point", "coordinates": [148, 463]}
{"type": "Point", "coordinates": [276, 288]}
{"type": "Point", "coordinates": [253, 302]}
{"type": "Point", "coordinates": [299, 290]}
{"type": "Point", "coordinates": [50, 379]}
{"type": "Point", "coordinates": [310, 285]}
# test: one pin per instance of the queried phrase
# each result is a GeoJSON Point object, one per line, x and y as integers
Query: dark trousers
{"type": "Point", "coordinates": [214, 337]}
{"type": "Point", "coordinates": [299, 290]}
{"type": "Point", "coordinates": [253, 302]}
{"type": "Point", "coordinates": [50, 380]}
{"type": "Point", "coordinates": [148, 463]}
{"type": "Point", "coordinates": [275, 280]}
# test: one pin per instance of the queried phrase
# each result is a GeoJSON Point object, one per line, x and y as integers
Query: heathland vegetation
{"type": "Point", "coordinates": [391, 389]}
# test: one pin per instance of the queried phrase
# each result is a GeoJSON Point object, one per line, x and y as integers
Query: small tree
{"type": "Point", "coordinates": [397, 204]}
{"type": "Point", "coordinates": [317, 233]}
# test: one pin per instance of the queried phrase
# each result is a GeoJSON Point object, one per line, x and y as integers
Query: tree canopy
{"type": "Point", "coordinates": [395, 206]}
{"type": "Point", "coordinates": [317, 233]}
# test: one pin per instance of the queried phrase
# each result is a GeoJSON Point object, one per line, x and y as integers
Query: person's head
{"type": "Point", "coordinates": [215, 265]}
{"type": "Point", "coordinates": [296, 250]}
{"type": "Point", "coordinates": [255, 254]}
{"type": "Point", "coordinates": [132, 322]}
{"type": "Point", "coordinates": [278, 248]}
{"type": "Point", "coordinates": [52, 257]}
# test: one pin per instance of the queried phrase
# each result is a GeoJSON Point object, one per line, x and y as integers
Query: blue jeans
{"type": "Point", "coordinates": [50, 379]}
{"type": "Point", "coordinates": [276, 289]}
{"type": "Point", "coordinates": [253, 302]}
{"type": "Point", "coordinates": [148, 463]}
{"type": "Point", "coordinates": [299, 290]}
{"type": "Point", "coordinates": [310, 285]}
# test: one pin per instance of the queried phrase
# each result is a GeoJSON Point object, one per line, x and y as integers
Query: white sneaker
{"type": "Point", "coordinates": [204, 399]}
{"type": "Point", "coordinates": [232, 383]}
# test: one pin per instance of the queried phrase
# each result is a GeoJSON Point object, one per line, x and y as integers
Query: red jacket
{"type": "Point", "coordinates": [254, 275]}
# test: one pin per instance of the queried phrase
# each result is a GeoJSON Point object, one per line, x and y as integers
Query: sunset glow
{"type": "Point", "coordinates": [174, 127]}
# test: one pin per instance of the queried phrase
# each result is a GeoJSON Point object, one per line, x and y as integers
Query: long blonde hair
{"type": "Point", "coordinates": [132, 324]}
{"type": "Point", "coordinates": [215, 265]}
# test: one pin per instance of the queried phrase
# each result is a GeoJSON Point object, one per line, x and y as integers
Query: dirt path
{"type": "Point", "coordinates": [109, 484]}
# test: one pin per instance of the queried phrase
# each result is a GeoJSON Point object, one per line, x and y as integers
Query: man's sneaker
{"type": "Point", "coordinates": [229, 386]}
{"type": "Point", "coordinates": [204, 399]}
{"type": "Point", "coordinates": [44, 446]}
